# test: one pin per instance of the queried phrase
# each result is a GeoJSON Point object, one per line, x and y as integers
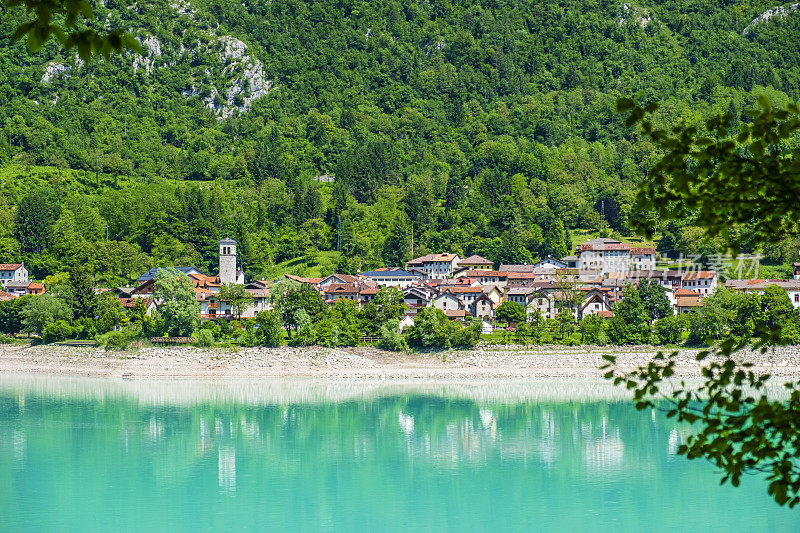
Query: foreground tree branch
{"type": "Point", "coordinates": [754, 179]}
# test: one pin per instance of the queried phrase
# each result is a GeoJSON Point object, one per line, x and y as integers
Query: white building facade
{"type": "Point", "coordinates": [15, 272]}
{"type": "Point", "coordinates": [436, 266]}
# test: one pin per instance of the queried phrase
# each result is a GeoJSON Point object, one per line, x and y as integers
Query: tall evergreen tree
{"type": "Point", "coordinates": [397, 247]}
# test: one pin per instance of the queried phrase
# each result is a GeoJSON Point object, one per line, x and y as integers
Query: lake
{"type": "Point", "coordinates": [192, 455]}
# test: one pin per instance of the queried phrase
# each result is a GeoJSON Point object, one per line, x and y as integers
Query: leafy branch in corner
{"type": "Point", "coordinates": [64, 20]}
{"type": "Point", "coordinates": [720, 179]}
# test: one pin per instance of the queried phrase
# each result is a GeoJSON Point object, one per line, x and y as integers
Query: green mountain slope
{"type": "Point", "coordinates": [480, 127]}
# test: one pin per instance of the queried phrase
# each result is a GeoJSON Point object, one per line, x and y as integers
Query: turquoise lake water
{"type": "Point", "coordinates": [556, 455]}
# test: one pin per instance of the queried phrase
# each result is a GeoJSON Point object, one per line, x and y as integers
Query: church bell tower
{"type": "Point", "coordinates": [227, 261]}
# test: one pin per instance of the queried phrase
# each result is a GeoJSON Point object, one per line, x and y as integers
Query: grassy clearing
{"type": "Point", "coordinates": [320, 265]}
{"type": "Point", "coordinates": [580, 236]}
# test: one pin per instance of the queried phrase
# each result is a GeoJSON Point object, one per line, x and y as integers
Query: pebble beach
{"type": "Point", "coordinates": [360, 363]}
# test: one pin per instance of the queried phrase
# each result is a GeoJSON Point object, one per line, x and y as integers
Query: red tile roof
{"type": "Point", "coordinates": [484, 274]}
{"type": "Point", "coordinates": [643, 251]}
{"type": "Point", "coordinates": [700, 274]}
{"type": "Point", "coordinates": [432, 258]}
{"type": "Point", "coordinates": [9, 266]}
{"type": "Point", "coordinates": [465, 290]}
{"type": "Point", "coordinates": [523, 275]}
{"type": "Point", "coordinates": [605, 246]}
{"type": "Point", "coordinates": [301, 279]}
{"type": "Point", "coordinates": [686, 292]}
{"type": "Point", "coordinates": [131, 302]}
{"type": "Point", "coordinates": [689, 301]}
{"type": "Point", "coordinates": [341, 288]}
{"type": "Point", "coordinates": [475, 260]}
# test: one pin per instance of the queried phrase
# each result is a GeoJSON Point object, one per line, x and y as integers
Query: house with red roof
{"type": "Point", "coordinates": [13, 272]}
{"type": "Point", "coordinates": [757, 286]}
{"type": "Point", "coordinates": [702, 281]}
{"type": "Point", "coordinates": [687, 301]}
{"type": "Point", "coordinates": [36, 287]}
{"type": "Point", "coordinates": [476, 262]}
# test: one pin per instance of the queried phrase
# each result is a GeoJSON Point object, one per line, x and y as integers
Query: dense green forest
{"type": "Point", "coordinates": [474, 127]}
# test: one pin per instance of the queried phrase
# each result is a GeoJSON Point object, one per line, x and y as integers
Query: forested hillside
{"type": "Point", "coordinates": [474, 127]}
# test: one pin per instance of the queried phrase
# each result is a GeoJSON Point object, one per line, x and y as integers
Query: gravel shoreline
{"type": "Point", "coordinates": [361, 363]}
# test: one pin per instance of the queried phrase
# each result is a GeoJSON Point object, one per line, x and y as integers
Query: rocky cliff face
{"type": "Point", "coordinates": [221, 70]}
{"type": "Point", "coordinates": [775, 12]}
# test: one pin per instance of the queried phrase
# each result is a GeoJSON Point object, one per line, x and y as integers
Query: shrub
{"type": "Point", "coordinates": [509, 312]}
{"type": "Point", "coordinates": [591, 329]}
{"type": "Point", "coordinates": [204, 338]}
{"type": "Point", "coordinates": [327, 333]}
{"type": "Point", "coordinates": [432, 329]}
{"type": "Point", "coordinates": [466, 337]}
{"type": "Point", "coordinates": [391, 338]}
{"type": "Point", "coordinates": [248, 337]}
{"type": "Point", "coordinates": [85, 328]}
{"type": "Point", "coordinates": [668, 330]}
{"type": "Point", "coordinates": [119, 339]}
{"type": "Point", "coordinates": [57, 331]}
{"type": "Point", "coordinates": [225, 329]}
{"type": "Point", "coordinates": [306, 333]}
{"type": "Point", "coordinates": [153, 326]}
{"type": "Point", "coordinates": [210, 325]}
{"type": "Point", "coordinates": [270, 329]}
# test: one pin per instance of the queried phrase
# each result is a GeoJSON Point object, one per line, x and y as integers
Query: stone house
{"type": "Point", "coordinates": [447, 301]}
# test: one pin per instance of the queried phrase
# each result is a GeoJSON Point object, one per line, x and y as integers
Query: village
{"type": "Point", "coordinates": [587, 283]}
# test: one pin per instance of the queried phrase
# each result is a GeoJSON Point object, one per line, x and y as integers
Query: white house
{"type": "Point", "coordinates": [595, 301]}
{"type": "Point", "coordinates": [406, 322]}
{"type": "Point", "coordinates": [482, 307]}
{"type": "Point", "coordinates": [687, 301]}
{"type": "Point", "coordinates": [643, 258]}
{"type": "Point", "coordinates": [609, 255]}
{"type": "Point", "coordinates": [485, 277]}
{"type": "Point", "coordinates": [550, 263]}
{"type": "Point", "coordinates": [702, 281]}
{"type": "Point", "coordinates": [13, 272]}
{"type": "Point", "coordinates": [605, 255]}
{"type": "Point", "coordinates": [437, 266]}
{"type": "Point", "coordinates": [466, 294]}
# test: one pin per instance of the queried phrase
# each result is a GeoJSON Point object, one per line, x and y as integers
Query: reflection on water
{"type": "Point", "coordinates": [190, 456]}
{"type": "Point", "coordinates": [227, 468]}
